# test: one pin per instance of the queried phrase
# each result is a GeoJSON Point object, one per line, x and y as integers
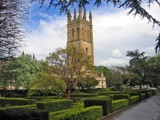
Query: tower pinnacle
{"type": "Point", "coordinates": [84, 15]}
{"type": "Point", "coordinates": [69, 16]}
{"type": "Point", "coordinates": [90, 18]}
{"type": "Point", "coordinates": [80, 13]}
{"type": "Point", "coordinates": [75, 16]}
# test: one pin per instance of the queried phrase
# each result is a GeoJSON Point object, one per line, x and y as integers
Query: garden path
{"type": "Point", "coordinates": [148, 109]}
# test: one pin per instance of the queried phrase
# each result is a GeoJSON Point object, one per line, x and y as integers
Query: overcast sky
{"type": "Point", "coordinates": [114, 33]}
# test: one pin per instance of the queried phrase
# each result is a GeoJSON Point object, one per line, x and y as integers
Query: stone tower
{"type": "Point", "coordinates": [80, 33]}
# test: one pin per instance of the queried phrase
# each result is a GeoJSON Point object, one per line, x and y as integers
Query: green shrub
{"type": "Point", "coordinates": [84, 95]}
{"type": "Point", "coordinates": [143, 96]}
{"type": "Point", "coordinates": [154, 92]}
{"type": "Point", "coordinates": [119, 96]}
{"type": "Point", "coordinates": [90, 113]}
{"type": "Point", "coordinates": [77, 105]}
{"type": "Point", "coordinates": [111, 92]}
{"type": "Point", "coordinates": [43, 97]}
{"type": "Point", "coordinates": [26, 112]}
{"type": "Point", "coordinates": [32, 106]}
{"type": "Point", "coordinates": [55, 105]}
{"type": "Point", "coordinates": [118, 104]}
{"type": "Point", "coordinates": [135, 99]}
{"type": "Point", "coordinates": [77, 99]}
{"type": "Point", "coordinates": [149, 94]}
{"type": "Point", "coordinates": [15, 101]}
{"type": "Point", "coordinates": [137, 93]}
{"type": "Point", "coordinates": [105, 102]}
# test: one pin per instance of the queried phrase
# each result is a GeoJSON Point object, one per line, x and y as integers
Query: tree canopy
{"type": "Point", "coordinates": [19, 72]}
{"type": "Point", "coordinates": [12, 16]}
{"type": "Point", "coordinates": [157, 47]}
{"type": "Point", "coordinates": [70, 65]}
{"type": "Point", "coordinates": [134, 6]}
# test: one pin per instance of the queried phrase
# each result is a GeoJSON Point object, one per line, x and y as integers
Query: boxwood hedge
{"type": "Point", "coordinates": [26, 112]}
{"type": "Point", "coordinates": [90, 113]}
{"type": "Point", "coordinates": [119, 104]}
{"type": "Point", "coordinates": [119, 96]}
{"type": "Point", "coordinates": [15, 101]}
{"type": "Point", "coordinates": [55, 105]}
{"type": "Point", "coordinates": [105, 102]}
{"type": "Point", "coordinates": [135, 99]}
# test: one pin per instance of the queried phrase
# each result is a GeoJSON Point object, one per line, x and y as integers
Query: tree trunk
{"type": "Point", "coordinates": [140, 87]}
{"type": "Point", "coordinates": [68, 89]}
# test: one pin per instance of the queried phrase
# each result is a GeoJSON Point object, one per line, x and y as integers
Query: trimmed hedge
{"type": "Point", "coordinates": [118, 104]}
{"type": "Point", "coordinates": [43, 97]}
{"type": "Point", "coordinates": [149, 94]}
{"type": "Point", "coordinates": [55, 105]}
{"type": "Point", "coordinates": [13, 93]}
{"type": "Point", "coordinates": [143, 96]}
{"type": "Point", "coordinates": [119, 96]}
{"type": "Point", "coordinates": [135, 99]}
{"type": "Point", "coordinates": [15, 101]}
{"type": "Point", "coordinates": [105, 102]}
{"type": "Point", "coordinates": [78, 105]}
{"type": "Point", "coordinates": [33, 106]}
{"type": "Point", "coordinates": [84, 95]}
{"type": "Point", "coordinates": [154, 92]}
{"type": "Point", "coordinates": [90, 113]}
{"type": "Point", "coordinates": [26, 112]}
{"type": "Point", "coordinates": [111, 92]}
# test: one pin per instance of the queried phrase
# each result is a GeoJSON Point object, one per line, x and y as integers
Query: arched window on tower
{"type": "Point", "coordinates": [86, 51]}
{"type": "Point", "coordinates": [88, 39]}
{"type": "Point", "coordinates": [83, 34]}
{"type": "Point", "coordinates": [77, 32]}
{"type": "Point", "coordinates": [72, 34]}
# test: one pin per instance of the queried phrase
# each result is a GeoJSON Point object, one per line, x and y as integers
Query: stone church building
{"type": "Point", "coordinates": [80, 34]}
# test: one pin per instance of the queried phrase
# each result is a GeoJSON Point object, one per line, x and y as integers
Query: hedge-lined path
{"type": "Point", "coordinates": [148, 109]}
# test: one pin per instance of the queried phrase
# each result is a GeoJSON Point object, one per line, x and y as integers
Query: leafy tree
{"type": "Point", "coordinates": [45, 81]}
{"type": "Point", "coordinates": [70, 65]}
{"type": "Point", "coordinates": [153, 73]}
{"type": "Point", "coordinates": [87, 83]}
{"type": "Point", "coordinates": [12, 16]}
{"type": "Point", "coordinates": [134, 6]}
{"type": "Point", "coordinates": [137, 65]}
{"type": "Point", "coordinates": [116, 80]}
{"type": "Point", "coordinates": [18, 72]}
{"type": "Point", "coordinates": [157, 47]}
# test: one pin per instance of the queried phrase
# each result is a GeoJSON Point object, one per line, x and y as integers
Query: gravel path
{"type": "Point", "coordinates": [148, 109]}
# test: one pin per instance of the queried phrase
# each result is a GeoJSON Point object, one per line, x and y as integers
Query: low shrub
{"type": "Point", "coordinates": [13, 93]}
{"type": "Point", "coordinates": [78, 105]}
{"type": "Point", "coordinates": [118, 104]}
{"type": "Point", "coordinates": [135, 99]}
{"type": "Point", "coordinates": [90, 113]}
{"type": "Point", "coordinates": [15, 101]}
{"type": "Point", "coordinates": [105, 102]}
{"type": "Point", "coordinates": [32, 106]}
{"type": "Point", "coordinates": [111, 92]}
{"type": "Point", "coordinates": [84, 95]}
{"type": "Point", "coordinates": [149, 94]}
{"type": "Point", "coordinates": [154, 92]}
{"type": "Point", "coordinates": [43, 97]}
{"type": "Point", "coordinates": [27, 112]}
{"type": "Point", "coordinates": [55, 105]}
{"type": "Point", "coordinates": [143, 96]}
{"type": "Point", "coordinates": [81, 97]}
{"type": "Point", "coordinates": [77, 99]}
{"type": "Point", "coordinates": [119, 96]}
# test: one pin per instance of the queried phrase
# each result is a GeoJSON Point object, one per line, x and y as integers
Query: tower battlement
{"type": "Point", "coordinates": [79, 18]}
